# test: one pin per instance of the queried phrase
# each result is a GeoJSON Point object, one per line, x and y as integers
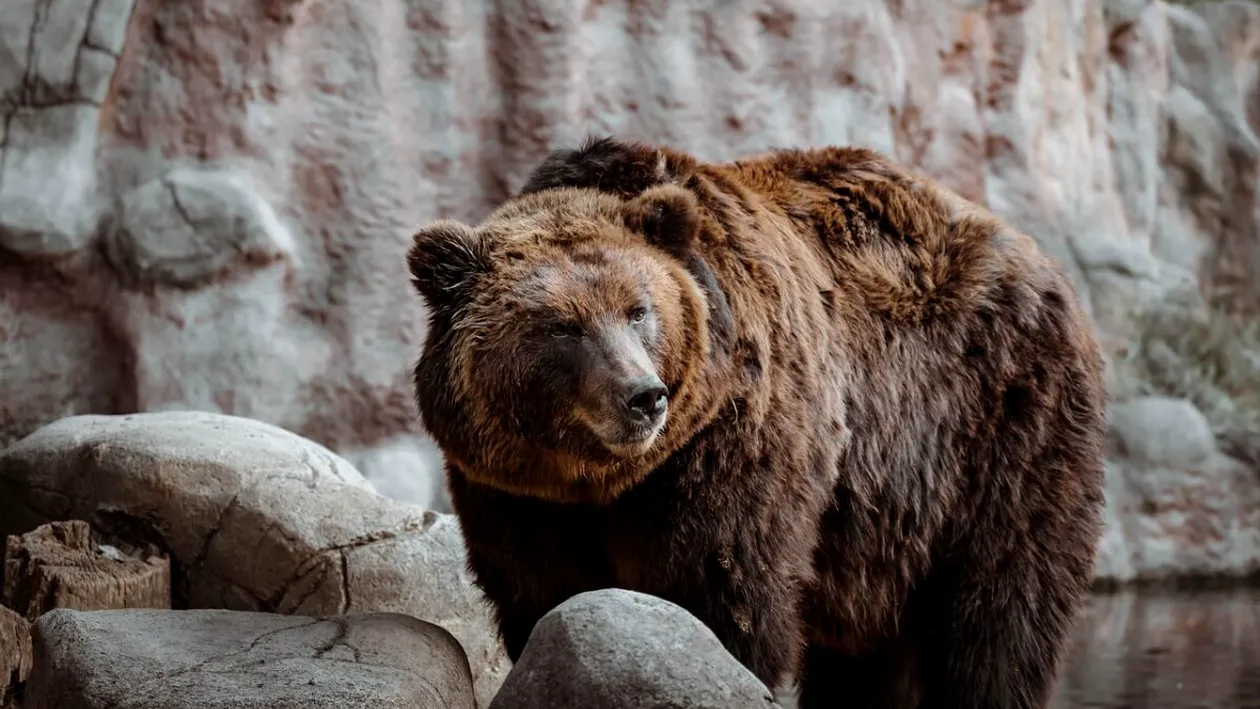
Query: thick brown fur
{"type": "Point", "coordinates": [881, 472]}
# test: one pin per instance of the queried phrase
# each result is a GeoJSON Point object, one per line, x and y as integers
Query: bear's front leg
{"type": "Point", "coordinates": [753, 606]}
{"type": "Point", "coordinates": [740, 576]}
{"type": "Point", "coordinates": [526, 555]}
{"type": "Point", "coordinates": [517, 596]}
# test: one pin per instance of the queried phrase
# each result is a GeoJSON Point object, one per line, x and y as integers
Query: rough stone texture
{"type": "Point", "coordinates": [620, 649]}
{"type": "Point", "coordinates": [191, 226]}
{"type": "Point", "coordinates": [1121, 133]}
{"type": "Point", "coordinates": [15, 657]}
{"type": "Point", "coordinates": [223, 659]}
{"type": "Point", "coordinates": [1176, 504]}
{"type": "Point", "coordinates": [56, 62]}
{"type": "Point", "coordinates": [256, 518]}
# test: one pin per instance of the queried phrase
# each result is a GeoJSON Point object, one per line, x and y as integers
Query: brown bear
{"type": "Point", "coordinates": [849, 420]}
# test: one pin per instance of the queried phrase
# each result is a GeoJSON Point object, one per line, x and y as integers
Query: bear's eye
{"type": "Point", "coordinates": [638, 315]}
{"type": "Point", "coordinates": [564, 329]}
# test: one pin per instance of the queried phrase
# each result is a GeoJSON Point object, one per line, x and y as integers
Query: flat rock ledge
{"type": "Point", "coordinates": [255, 519]}
{"type": "Point", "coordinates": [216, 659]}
{"type": "Point", "coordinates": [618, 649]}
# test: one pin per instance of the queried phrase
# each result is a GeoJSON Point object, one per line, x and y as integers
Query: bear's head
{"type": "Point", "coordinates": [567, 339]}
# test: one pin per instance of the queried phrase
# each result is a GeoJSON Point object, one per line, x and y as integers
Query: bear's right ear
{"type": "Point", "coordinates": [668, 215]}
{"type": "Point", "coordinates": [446, 259]}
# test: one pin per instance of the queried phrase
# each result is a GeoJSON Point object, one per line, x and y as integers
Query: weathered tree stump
{"type": "Point", "coordinates": [15, 656]}
{"type": "Point", "coordinates": [60, 565]}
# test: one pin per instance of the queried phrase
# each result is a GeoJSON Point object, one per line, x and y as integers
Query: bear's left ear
{"type": "Point", "coordinates": [446, 260]}
{"type": "Point", "coordinates": [668, 215]}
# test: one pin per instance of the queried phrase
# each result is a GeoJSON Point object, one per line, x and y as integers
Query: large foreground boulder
{"type": "Point", "coordinates": [617, 649]}
{"type": "Point", "coordinates": [254, 518]}
{"type": "Point", "coordinates": [213, 659]}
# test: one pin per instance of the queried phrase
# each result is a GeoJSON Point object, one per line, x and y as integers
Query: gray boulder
{"type": "Point", "coordinates": [617, 649]}
{"type": "Point", "coordinates": [216, 659]}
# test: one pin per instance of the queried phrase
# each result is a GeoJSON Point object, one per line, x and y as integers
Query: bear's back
{"type": "Point", "coordinates": [972, 389]}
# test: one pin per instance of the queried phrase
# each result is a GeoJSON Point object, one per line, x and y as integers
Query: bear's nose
{"type": "Point", "coordinates": [646, 396]}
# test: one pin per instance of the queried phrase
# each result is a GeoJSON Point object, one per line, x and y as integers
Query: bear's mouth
{"type": "Point", "coordinates": [631, 447]}
{"type": "Point", "coordinates": [624, 437]}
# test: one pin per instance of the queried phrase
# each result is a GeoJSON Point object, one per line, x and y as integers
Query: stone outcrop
{"type": "Point", "coordinates": [205, 204]}
{"type": "Point", "coordinates": [620, 649]}
{"type": "Point", "coordinates": [255, 518]}
{"type": "Point", "coordinates": [216, 658]}
{"type": "Point", "coordinates": [1176, 505]}
{"type": "Point", "coordinates": [56, 65]}
{"type": "Point", "coordinates": [190, 227]}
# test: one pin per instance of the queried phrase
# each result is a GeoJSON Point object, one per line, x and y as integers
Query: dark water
{"type": "Point", "coordinates": [1166, 650]}
{"type": "Point", "coordinates": [1161, 650]}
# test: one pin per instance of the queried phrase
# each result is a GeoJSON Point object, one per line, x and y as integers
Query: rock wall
{"type": "Point", "coordinates": [204, 204]}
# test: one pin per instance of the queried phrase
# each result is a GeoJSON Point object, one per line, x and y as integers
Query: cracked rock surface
{"type": "Point", "coordinates": [193, 225]}
{"type": "Point", "coordinates": [256, 518]}
{"type": "Point", "coordinates": [216, 659]}
{"type": "Point", "coordinates": [57, 58]}
{"type": "Point", "coordinates": [618, 649]}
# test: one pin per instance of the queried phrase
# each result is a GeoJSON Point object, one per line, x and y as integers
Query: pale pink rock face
{"type": "Point", "coordinates": [205, 205]}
